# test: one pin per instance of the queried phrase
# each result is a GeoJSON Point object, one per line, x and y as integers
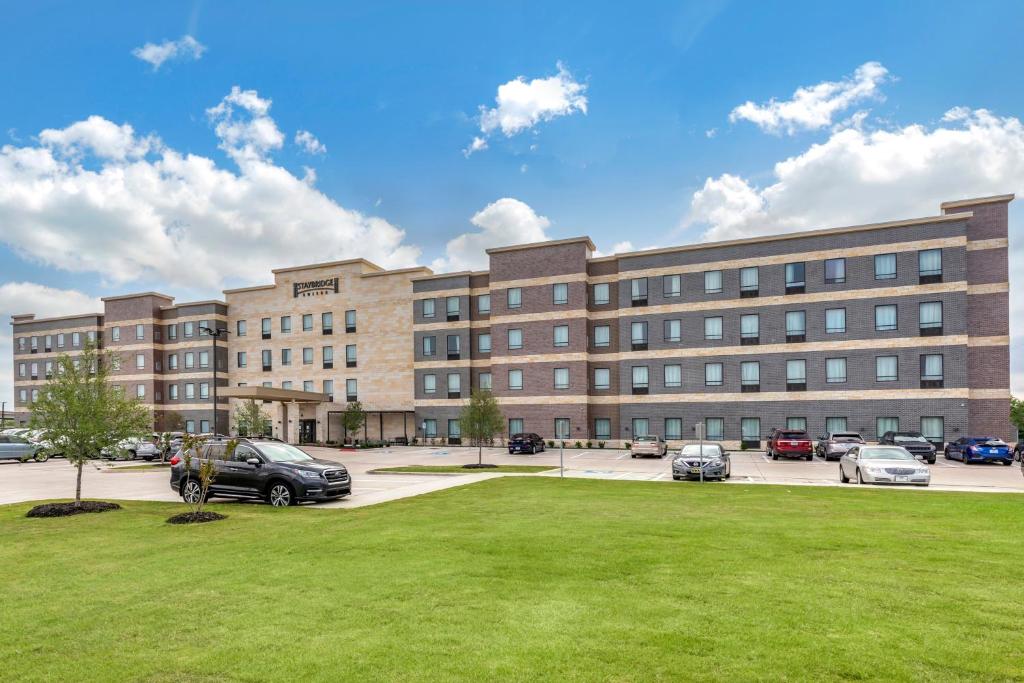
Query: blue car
{"type": "Point", "coordinates": [979, 449]}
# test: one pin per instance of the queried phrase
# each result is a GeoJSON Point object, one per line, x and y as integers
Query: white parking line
{"type": "Point", "coordinates": [624, 455]}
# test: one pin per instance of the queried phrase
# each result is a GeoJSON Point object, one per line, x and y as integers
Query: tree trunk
{"type": "Point", "coordinates": [78, 485]}
{"type": "Point", "coordinates": [480, 452]}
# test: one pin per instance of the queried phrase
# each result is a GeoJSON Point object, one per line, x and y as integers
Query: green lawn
{"type": "Point", "coordinates": [446, 469]}
{"type": "Point", "coordinates": [526, 578]}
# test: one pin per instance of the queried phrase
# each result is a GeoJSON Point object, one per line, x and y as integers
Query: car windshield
{"type": "Point", "coordinates": [695, 450]}
{"type": "Point", "coordinates": [885, 454]}
{"type": "Point", "coordinates": [282, 452]}
{"type": "Point", "coordinates": [847, 438]}
{"type": "Point", "coordinates": [520, 436]}
{"type": "Point", "coordinates": [909, 438]}
{"type": "Point", "coordinates": [792, 435]}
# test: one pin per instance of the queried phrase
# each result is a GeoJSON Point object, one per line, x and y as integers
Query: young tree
{"type": "Point", "coordinates": [250, 419]}
{"type": "Point", "coordinates": [1017, 413]}
{"type": "Point", "coordinates": [481, 419]}
{"type": "Point", "coordinates": [83, 414]}
{"type": "Point", "coordinates": [196, 485]}
{"type": "Point", "coordinates": [353, 418]}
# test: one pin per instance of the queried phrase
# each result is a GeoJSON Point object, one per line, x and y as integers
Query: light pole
{"type": "Point", "coordinates": [216, 334]}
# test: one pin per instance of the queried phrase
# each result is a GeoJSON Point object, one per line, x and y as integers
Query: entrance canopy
{"type": "Point", "coordinates": [272, 394]}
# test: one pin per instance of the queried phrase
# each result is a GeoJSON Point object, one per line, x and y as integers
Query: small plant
{"type": "Point", "coordinates": [743, 445]}
{"type": "Point", "coordinates": [577, 445]}
{"type": "Point", "coordinates": [629, 445]}
{"type": "Point", "coordinates": [600, 444]}
{"type": "Point", "coordinates": [551, 444]}
{"type": "Point", "coordinates": [196, 485]}
{"type": "Point", "coordinates": [589, 444]}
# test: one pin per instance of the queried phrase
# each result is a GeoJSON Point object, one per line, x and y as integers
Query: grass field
{"type": "Point", "coordinates": [526, 579]}
{"type": "Point", "coordinates": [459, 469]}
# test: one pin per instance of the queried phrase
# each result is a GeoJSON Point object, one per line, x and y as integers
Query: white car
{"type": "Point", "coordinates": [147, 449]}
{"type": "Point", "coordinates": [883, 465]}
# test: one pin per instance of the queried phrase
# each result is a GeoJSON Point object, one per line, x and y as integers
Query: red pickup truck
{"type": "Point", "coordinates": [790, 443]}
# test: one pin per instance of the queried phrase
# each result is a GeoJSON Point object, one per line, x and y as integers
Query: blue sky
{"type": "Point", "coordinates": [393, 92]}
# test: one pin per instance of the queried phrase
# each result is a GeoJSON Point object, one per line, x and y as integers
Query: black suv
{"type": "Point", "coordinates": [277, 472]}
{"type": "Point", "coordinates": [525, 443]}
{"type": "Point", "coordinates": [914, 442]}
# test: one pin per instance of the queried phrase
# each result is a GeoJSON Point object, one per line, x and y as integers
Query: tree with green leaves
{"type": "Point", "coordinates": [195, 486]}
{"type": "Point", "coordinates": [353, 418]}
{"type": "Point", "coordinates": [1017, 413]}
{"type": "Point", "coordinates": [480, 420]}
{"type": "Point", "coordinates": [250, 418]}
{"type": "Point", "coordinates": [83, 414]}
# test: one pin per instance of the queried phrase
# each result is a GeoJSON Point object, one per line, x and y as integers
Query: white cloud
{"type": "Point", "coordinates": [617, 248]}
{"type": "Point", "coordinates": [521, 105]}
{"type": "Point", "coordinates": [87, 199]}
{"type": "Point", "coordinates": [858, 177]}
{"type": "Point", "coordinates": [814, 107]}
{"type": "Point", "coordinates": [506, 221]}
{"type": "Point", "coordinates": [185, 47]}
{"type": "Point", "coordinates": [45, 302]}
{"type": "Point", "coordinates": [710, 133]}
{"type": "Point", "coordinates": [308, 142]}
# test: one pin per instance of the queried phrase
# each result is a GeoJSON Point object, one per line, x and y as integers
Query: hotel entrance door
{"type": "Point", "coordinates": [307, 431]}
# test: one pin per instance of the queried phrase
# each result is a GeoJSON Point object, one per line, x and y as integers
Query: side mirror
{"type": "Point", "coordinates": [254, 461]}
{"type": "Point", "coordinates": [822, 437]}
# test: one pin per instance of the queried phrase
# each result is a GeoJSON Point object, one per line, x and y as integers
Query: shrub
{"type": "Point", "coordinates": [629, 445]}
{"type": "Point", "coordinates": [743, 445]}
{"type": "Point", "coordinates": [577, 445]}
{"type": "Point", "coordinates": [551, 444]}
{"type": "Point", "coordinates": [589, 444]}
{"type": "Point", "coordinates": [600, 444]}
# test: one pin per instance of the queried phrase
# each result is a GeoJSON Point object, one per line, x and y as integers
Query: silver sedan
{"type": "Point", "coordinates": [883, 465]}
{"type": "Point", "coordinates": [689, 463]}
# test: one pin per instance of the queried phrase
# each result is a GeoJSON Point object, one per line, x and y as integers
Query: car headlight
{"type": "Point", "coordinates": [309, 474]}
{"type": "Point", "coordinates": [876, 470]}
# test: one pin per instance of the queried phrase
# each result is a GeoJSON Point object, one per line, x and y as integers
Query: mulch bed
{"type": "Point", "coordinates": [477, 466]}
{"type": "Point", "coordinates": [195, 517]}
{"type": "Point", "coordinates": [68, 509]}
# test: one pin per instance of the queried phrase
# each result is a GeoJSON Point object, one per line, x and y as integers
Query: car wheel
{"type": "Point", "coordinates": [842, 476]}
{"type": "Point", "coordinates": [1007, 462]}
{"type": "Point", "coordinates": [632, 455]}
{"type": "Point", "coordinates": [775, 456]}
{"type": "Point", "coordinates": [131, 455]}
{"type": "Point", "coordinates": [676, 477]}
{"type": "Point", "coordinates": [809, 457]}
{"type": "Point", "coordinates": [728, 473]}
{"type": "Point", "coordinates": [280, 495]}
{"type": "Point", "coordinates": [931, 460]}
{"type": "Point", "coordinates": [43, 456]}
{"type": "Point", "coordinates": [533, 450]}
{"type": "Point", "coordinates": [191, 492]}
{"type": "Point", "coordinates": [860, 479]}
{"type": "Point", "coordinates": [510, 451]}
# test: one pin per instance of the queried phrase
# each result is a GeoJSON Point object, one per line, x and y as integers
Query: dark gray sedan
{"type": "Point", "coordinates": [713, 460]}
{"type": "Point", "coordinates": [20, 448]}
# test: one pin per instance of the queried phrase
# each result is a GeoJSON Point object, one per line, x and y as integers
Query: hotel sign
{"type": "Point", "coordinates": [315, 287]}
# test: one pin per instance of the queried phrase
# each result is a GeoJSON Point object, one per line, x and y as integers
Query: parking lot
{"type": "Point", "coordinates": [56, 478]}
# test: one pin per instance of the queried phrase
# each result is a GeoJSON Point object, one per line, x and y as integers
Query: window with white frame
{"type": "Point", "coordinates": [483, 343]}
{"type": "Point", "coordinates": [515, 380]}
{"type": "Point", "coordinates": [561, 378]}
{"type": "Point", "coordinates": [885, 317]}
{"type": "Point", "coordinates": [673, 375]}
{"type": "Point", "coordinates": [887, 368]}
{"type": "Point", "coordinates": [835, 370]}
{"type": "Point", "coordinates": [885, 266]}
{"type": "Point", "coordinates": [713, 374]}
{"type": "Point", "coordinates": [602, 335]}
{"type": "Point", "coordinates": [601, 293]}
{"type": "Point", "coordinates": [713, 327]}
{"type": "Point", "coordinates": [561, 335]}
{"type": "Point", "coordinates": [835, 320]}
{"type": "Point", "coordinates": [515, 297]}
{"type": "Point", "coordinates": [515, 338]}
{"type": "Point", "coordinates": [602, 378]}
{"type": "Point", "coordinates": [560, 293]}
{"type": "Point", "coordinates": [712, 282]}
{"type": "Point", "coordinates": [673, 428]}
{"type": "Point", "coordinates": [429, 384]}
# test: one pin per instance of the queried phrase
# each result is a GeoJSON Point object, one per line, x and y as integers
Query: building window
{"type": "Point", "coordinates": [713, 328]}
{"type": "Point", "coordinates": [640, 379]}
{"type": "Point", "coordinates": [115, 334]}
{"type": "Point", "coordinates": [329, 389]}
{"type": "Point", "coordinates": [515, 380]}
{"type": "Point", "coordinates": [713, 282]}
{"type": "Point", "coordinates": [796, 374]}
{"type": "Point", "coordinates": [560, 293]}
{"type": "Point", "coordinates": [750, 429]}
{"type": "Point", "coordinates": [638, 335]}
{"type": "Point", "coordinates": [190, 391]}
{"type": "Point", "coordinates": [21, 370]}
{"type": "Point", "coordinates": [515, 339]}
{"type": "Point", "coordinates": [714, 428]}
{"type": "Point", "coordinates": [930, 316]}
{"type": "Point", "coordinates": [240, 328]}
{"type": "Point", "coordinates": [795, 278]}
{"type": "Point", "coordinates": [268, 385]}
{"type": "Point", "coordinates": [602, 335]}
{"type": "Point", "coordinates": [76, 340]}
{"type": "Point", "coordinates": [140, 361]}
{"type": "Point", "coordinates": [140, 331]}
{"type": "Point", "coordinates": [172, 392]}
{"type": "Point", "coordinates": [204, 359]}
{"type": "Point", "coordinates": [713, 374]}
{"type": "Point", "coordinates": [189, 329]}
{"type": "Point", "coordinates": [172, 361]}
{"type": "Point", "coordinates": [266, 360]}
{"type": "Point", "coordinates": [327, 323]}
{"type": "Point", "coordinates": [561, 335]}
{"type": "Point", "coordinates": [240, 359]}
{"type": "Point", "coordinates": [60, 341]}
{"type": "Point", "coordinates": [427, 306]}
{"type": "Point", "coordinates": [887, 368]}
{"type": "Point", "coordinates": [562, 428]}
{"type": "Point", "coordinates": [515, 426]}
{"type": "Point", "coordinates": [885, 317]}
{"type": "Point", "coordinates": [483, 304]}
{"type": "Point", "coordinates": [204, 390]}
{"type": "Point", "coordinates": [21, 343]}
{"type": "Point", "coordinates": [931, 371]}
{"type": "Point", "coordinates": [561, 378]}
{"type": "Point", "coordinates": [307, 322]}
{"type": "Point", "coordinates": [35, 344]}
{"type": "Point", "coordinates": [429, 384]}
{"type": "Point", "coordinates": [885, 267]}
{"type": "Point", "coordinates": [673, 428]}
{"type": "Point", "coordinates": [929, 265]}
{"type": "Point", "coordinates": [673, 330]}
{"type": "Point", "coordinates": [429, 346]}
{"type": "Point", "coordinates": [307, 355]}
{"type": "Point", "coordinates": [886, 424]}
{"type": "Point", "coordinates": [452, 307]}
{"type": "Point", "coordinates": [602, 428]}
{"type": "Point", "coordinates": [286, 356]}
{"type": "Point", "coordinates": [515, 297]}
{"type": "Point", "coordinates": [749, 328]}
{"type": "Point", "coordinates": [796, 423]}
{"type": "Point", "coordinates": [190, 426]}
{"type": "Point", "coordinates": [835, 271]}
{"type": "Point", "coordinates": [284, 385]}
{"type": "Point", "coordinates": [454, 385]}
{"type": "Point", "coordinates": [749, 281]}
{"type": "Point", "coordinates": [673, 376]}
{"type": "Point", "coordinates": [641, 427]}
{"type": "Point", "coordinates": [672, 285]}
{"type": "Point", "coordinates": [933, 429]}
{"type": "Point", "coordinates": [602, 294]}
{"type": "Point", "coordinates": [351, 390]}
{"type": "Point", "coordinates": [835, 320]}
{"type": "Point", "coordinates": [190, 360]}
{"type": "Point", "coordinates": [638, 291]}
{"type": "Point", "coordinates": [286, 324]}
{"type": "Point", "coordinates": [454, 347]}
{"type": "Point", "coordinates": [602, 378]}
{"type": "Point", "coordinates": [350, 321]}
{"type": "Point", "coordinates": [454, 430]}
{"type": "Point", "coordinates": [796, 326]}
{"type": "Point", "coordinates": [484, 381]}
{"type": "Point", "coordinates": [483, 343]}
{"type": "Point", "coordinates": [327, 356]}
{"type": "Point", "coordinates": [430, 428]}
{"type": "Point", "coordinates": [835, 370]}
{"type": "Point", "coordinates": [750, 376]}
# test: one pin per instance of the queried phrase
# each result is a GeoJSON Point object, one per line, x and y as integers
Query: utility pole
{"type": "Point", "coordinates": [700, 435]}
{"type": "Point", "coordinates": [3, 414]}
{"type": "Point", "coordinates": [216, 334]}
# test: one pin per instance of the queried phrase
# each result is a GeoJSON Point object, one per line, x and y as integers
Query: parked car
{"type": "Point", "coordinates": [979, 449]}
{"type": "Point", "coordinates": [791, 443]}
{"type": "Point", "coordinates": [279, 473]}
{"type": "Point", "coordinates": [20, 448]}
{"type": "Point", "coordinates": [130, 449]}
{"type": "Point", "coordinates": [883, 465]}
{"type": "Point", "coordinates": [1018, 451]}
{"type": "Point", "coordinates": [832, 445]}
{"type": "Point", "coordinates": [692, 458]}
{"type": "Point", "coordinates": [648, 445]}
{"type": "Point", "coordinates": [913, 441]}
{"type": "Point", "coordinates": [527, 442]}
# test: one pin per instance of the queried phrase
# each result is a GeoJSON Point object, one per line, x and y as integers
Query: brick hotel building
{"type": "Point", "coordinates": [897, 325]}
